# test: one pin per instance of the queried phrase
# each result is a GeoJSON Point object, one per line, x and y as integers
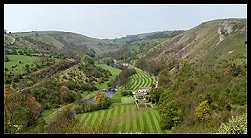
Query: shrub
{"type": "Point", "coordinates": [237, 125]}
{"type": "Point", "coordinates": [102, 100]}
{"type": "Point", "coordinates": [202, 111]}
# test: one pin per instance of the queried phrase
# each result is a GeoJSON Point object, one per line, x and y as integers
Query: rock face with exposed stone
{"type": "Point", "coordinates": [226, 28]}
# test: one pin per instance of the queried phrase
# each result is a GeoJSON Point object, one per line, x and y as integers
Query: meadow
{"type": "Point", "coordinates": [20, 61]}
{"type": "Point", "coordinates": [122, 118]}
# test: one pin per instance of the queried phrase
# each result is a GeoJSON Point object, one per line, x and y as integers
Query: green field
{"type": "Point", "coordinates": [122, 119]}
{"type": "Point", "coordinates": [138, 80]}
{"type": "Point", "coordinates": [14, 60]}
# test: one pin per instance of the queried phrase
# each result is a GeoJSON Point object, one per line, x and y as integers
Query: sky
{"type": "Point", "coordinates": [113, 21]}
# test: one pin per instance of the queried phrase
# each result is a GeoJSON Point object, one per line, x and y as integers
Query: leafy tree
{"type": "Point", "coordinates": [155, 95]}
{"type": "Point", "coordinates": [123, 77]}
{"type": "Point", "coordinates": [169, 112]}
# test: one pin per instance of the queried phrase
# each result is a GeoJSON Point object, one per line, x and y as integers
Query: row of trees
{"type": "Point", "coordinates": [102, 101]}
{"type": "Point", "coordinates": [123, 77]}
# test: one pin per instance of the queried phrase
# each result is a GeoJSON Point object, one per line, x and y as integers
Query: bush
{"type": "Point", "coordinates": [237, 125]}
{"type": "Point", "coordinates": [102, 100]}
{"type": "Point", "coordinates": [202, 111]}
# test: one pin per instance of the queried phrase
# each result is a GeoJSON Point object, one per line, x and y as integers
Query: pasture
{"type": "Point", "coordinates": [122, 119]}
{"type": "Point", "coordinates": [20, 61]}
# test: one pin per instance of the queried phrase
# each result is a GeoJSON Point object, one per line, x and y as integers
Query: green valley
{"type": "Point", "coordinates": [161, 82]}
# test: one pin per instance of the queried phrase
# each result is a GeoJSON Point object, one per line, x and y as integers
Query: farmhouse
{"type": "Point", "coordinates": [144, 90]}
{"type": "Point", "coordinates": [142, 97]}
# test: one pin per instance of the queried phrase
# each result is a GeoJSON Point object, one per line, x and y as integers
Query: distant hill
{"type": "Point", "coordinates": [146, 36]}
{"type": "Point", "coordinates": [55, 41]}
{"type": "Point", "coordinates": [134, 47]}
{"type": "Point", "coordinates": [67, 42]}
{"type": "Point", "coordinates": [210, 42]}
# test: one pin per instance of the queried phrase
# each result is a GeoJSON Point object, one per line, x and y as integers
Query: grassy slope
{"type": "Point", "coordinates": [198, 45]}
{"type": "Point", "coordinates": [14, 60]}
